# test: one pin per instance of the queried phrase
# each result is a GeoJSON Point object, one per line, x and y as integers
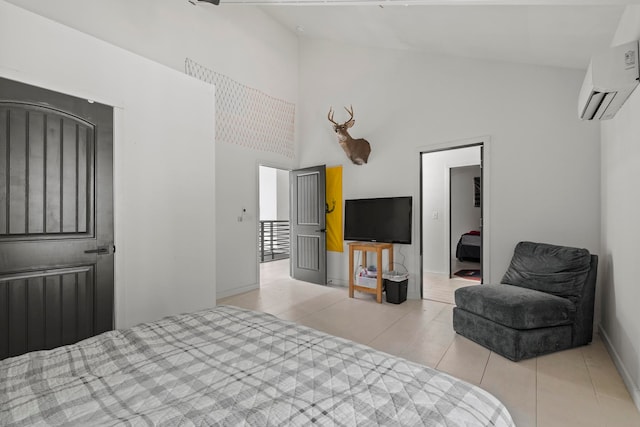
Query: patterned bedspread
{"type": "Point", "coordinates": [229, 366]}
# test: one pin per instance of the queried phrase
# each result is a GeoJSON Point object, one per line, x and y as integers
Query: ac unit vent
{"type": "Point", "coordinates": [611, 77]}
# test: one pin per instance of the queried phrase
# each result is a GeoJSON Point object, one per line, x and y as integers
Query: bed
{"type": "Point", "coordinates": [469, 247]}
{"type": "Point", "coordinates": [230, 366]}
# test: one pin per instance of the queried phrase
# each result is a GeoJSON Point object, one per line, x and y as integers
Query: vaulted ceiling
{"type": "Point", "coordinates": [563, 35]}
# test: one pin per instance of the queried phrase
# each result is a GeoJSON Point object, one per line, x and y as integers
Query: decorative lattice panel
{"type": "Point", "coordinates": [246, 116]}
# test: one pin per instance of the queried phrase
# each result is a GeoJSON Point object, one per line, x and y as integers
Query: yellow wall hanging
{"type": "Point", "coordinates": [334, 209]}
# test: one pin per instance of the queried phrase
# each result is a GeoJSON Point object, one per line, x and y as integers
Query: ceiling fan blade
{"type": "Point", "coordinates": [215, 2]}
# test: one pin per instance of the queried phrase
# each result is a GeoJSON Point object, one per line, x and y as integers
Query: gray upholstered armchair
{"type": "Point", "coordinates": [544, 304]}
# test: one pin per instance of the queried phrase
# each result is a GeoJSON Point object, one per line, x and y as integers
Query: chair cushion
{"type": "Point", "coordinates": [557, 270]}
{"type": "Point", "coordinates": [515, 307]}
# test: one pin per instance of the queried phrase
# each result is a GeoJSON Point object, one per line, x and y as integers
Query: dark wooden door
{"type": "Point", "coordinates": [308, 225]}
{"type": "Point", "coordinates": [56, 218]}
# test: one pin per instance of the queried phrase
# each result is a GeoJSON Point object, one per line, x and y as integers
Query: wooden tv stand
{"type": "Point", "coordinates": [369, 247]}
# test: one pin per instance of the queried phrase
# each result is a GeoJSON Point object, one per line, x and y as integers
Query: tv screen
{"type": "Point", "coordinates": [386, 219]}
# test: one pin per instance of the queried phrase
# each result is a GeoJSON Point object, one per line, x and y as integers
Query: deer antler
{"type": "Point", "coordinates": [349, 122]}
{"type": "Point", "coordinates": [350, 111]}
{"type": "Point", "coordinates": [330, 116]}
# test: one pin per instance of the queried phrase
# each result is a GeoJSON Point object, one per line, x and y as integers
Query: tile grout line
{"type": "Point", "coordinates": [444, 354]}
{"type": "Point", "coordinates": [484, 370]}
{"type": "Point", "coordinates": [312, 313]}
{"type": "Point", "coordinates": [593, 385]}
{"type": "Point", "coordinates": [387, 328]}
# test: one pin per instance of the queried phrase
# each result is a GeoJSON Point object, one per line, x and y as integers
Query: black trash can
{"type": "Point", "coordinates": [396, 291]}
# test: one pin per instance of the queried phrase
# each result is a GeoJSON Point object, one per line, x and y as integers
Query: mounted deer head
{"type": "Point", "coordinates": [357, 150]}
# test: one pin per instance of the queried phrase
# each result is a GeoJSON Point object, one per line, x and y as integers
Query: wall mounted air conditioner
{"type": "Point", "coordinates": [611, 77]}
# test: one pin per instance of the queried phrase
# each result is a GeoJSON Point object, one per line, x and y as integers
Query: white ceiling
{"type": "Point", "coordinates": [563, 35]}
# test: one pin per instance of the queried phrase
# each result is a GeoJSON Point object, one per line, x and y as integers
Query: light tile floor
{"type": "Point", "coordinates": [439, 287]}
{"type": "Point", "coordinates": [577, 387]}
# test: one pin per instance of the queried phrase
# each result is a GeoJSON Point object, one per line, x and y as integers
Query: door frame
{"type": "Point", "coordinates": [485, 143]}
{"type": "Point", "coordinates": [118, 183]}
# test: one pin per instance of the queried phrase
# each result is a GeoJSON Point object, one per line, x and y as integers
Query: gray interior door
{"type": "Point", "coordinates": [308, 233]}
{"type": "Point", "coordinates": [56, 218]}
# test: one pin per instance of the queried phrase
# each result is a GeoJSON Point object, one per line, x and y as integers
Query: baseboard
{"type": "Point", "coordinates": [337, 282]}
{"type": "Point", "coordinates": [413, 294]}
{"type": "Point", "coordinates": [235, 291]}
{"type": "Point", "coordinates": [632, 387]}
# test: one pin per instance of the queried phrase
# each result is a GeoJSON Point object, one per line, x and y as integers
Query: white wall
{"type": "Point", "coordinates": [274, 194]}
{"type": "Point", "coordinates": [435, 200]}
{"type": "Point", "coordinates": [163, 150]}
{"type": "Point", "coordinates": [619, 287]}
{"type": "Point", "coordinates": [283, 194]}
{"type": "Point", "coordinates": [544, 162]}
{"type": "Point", "coordinates": [268, 193]}
{"type": "Point", "coordinates": [240, 42]}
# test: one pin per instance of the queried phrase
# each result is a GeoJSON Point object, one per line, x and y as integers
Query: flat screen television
{"type": "Point", "coordinates": [385, 219]}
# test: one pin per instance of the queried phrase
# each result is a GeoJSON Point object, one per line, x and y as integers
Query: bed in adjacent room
{"type": "Point", "coordinates": [230, 366]}
{"type": "Point", "coordinates": [469, 247]}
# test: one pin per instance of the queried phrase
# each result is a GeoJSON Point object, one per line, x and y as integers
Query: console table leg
{"type": "Point", "coordinates": [351, 272]}
{"type": "Point", "coordinates": [380, 270]}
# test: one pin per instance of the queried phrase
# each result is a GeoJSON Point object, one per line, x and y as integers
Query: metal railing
{"type": "Point", "coordinates": [273, 240]}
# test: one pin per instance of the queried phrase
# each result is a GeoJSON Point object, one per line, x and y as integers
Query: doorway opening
{"type": "Point", "coordinates": [273, 230]}
{"type": "Point", "coordinates": [273, 225]}
{"type": "Point", "coordinates": [292, 223]}
{"type": "Point", "coordinates": [452, 204]}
